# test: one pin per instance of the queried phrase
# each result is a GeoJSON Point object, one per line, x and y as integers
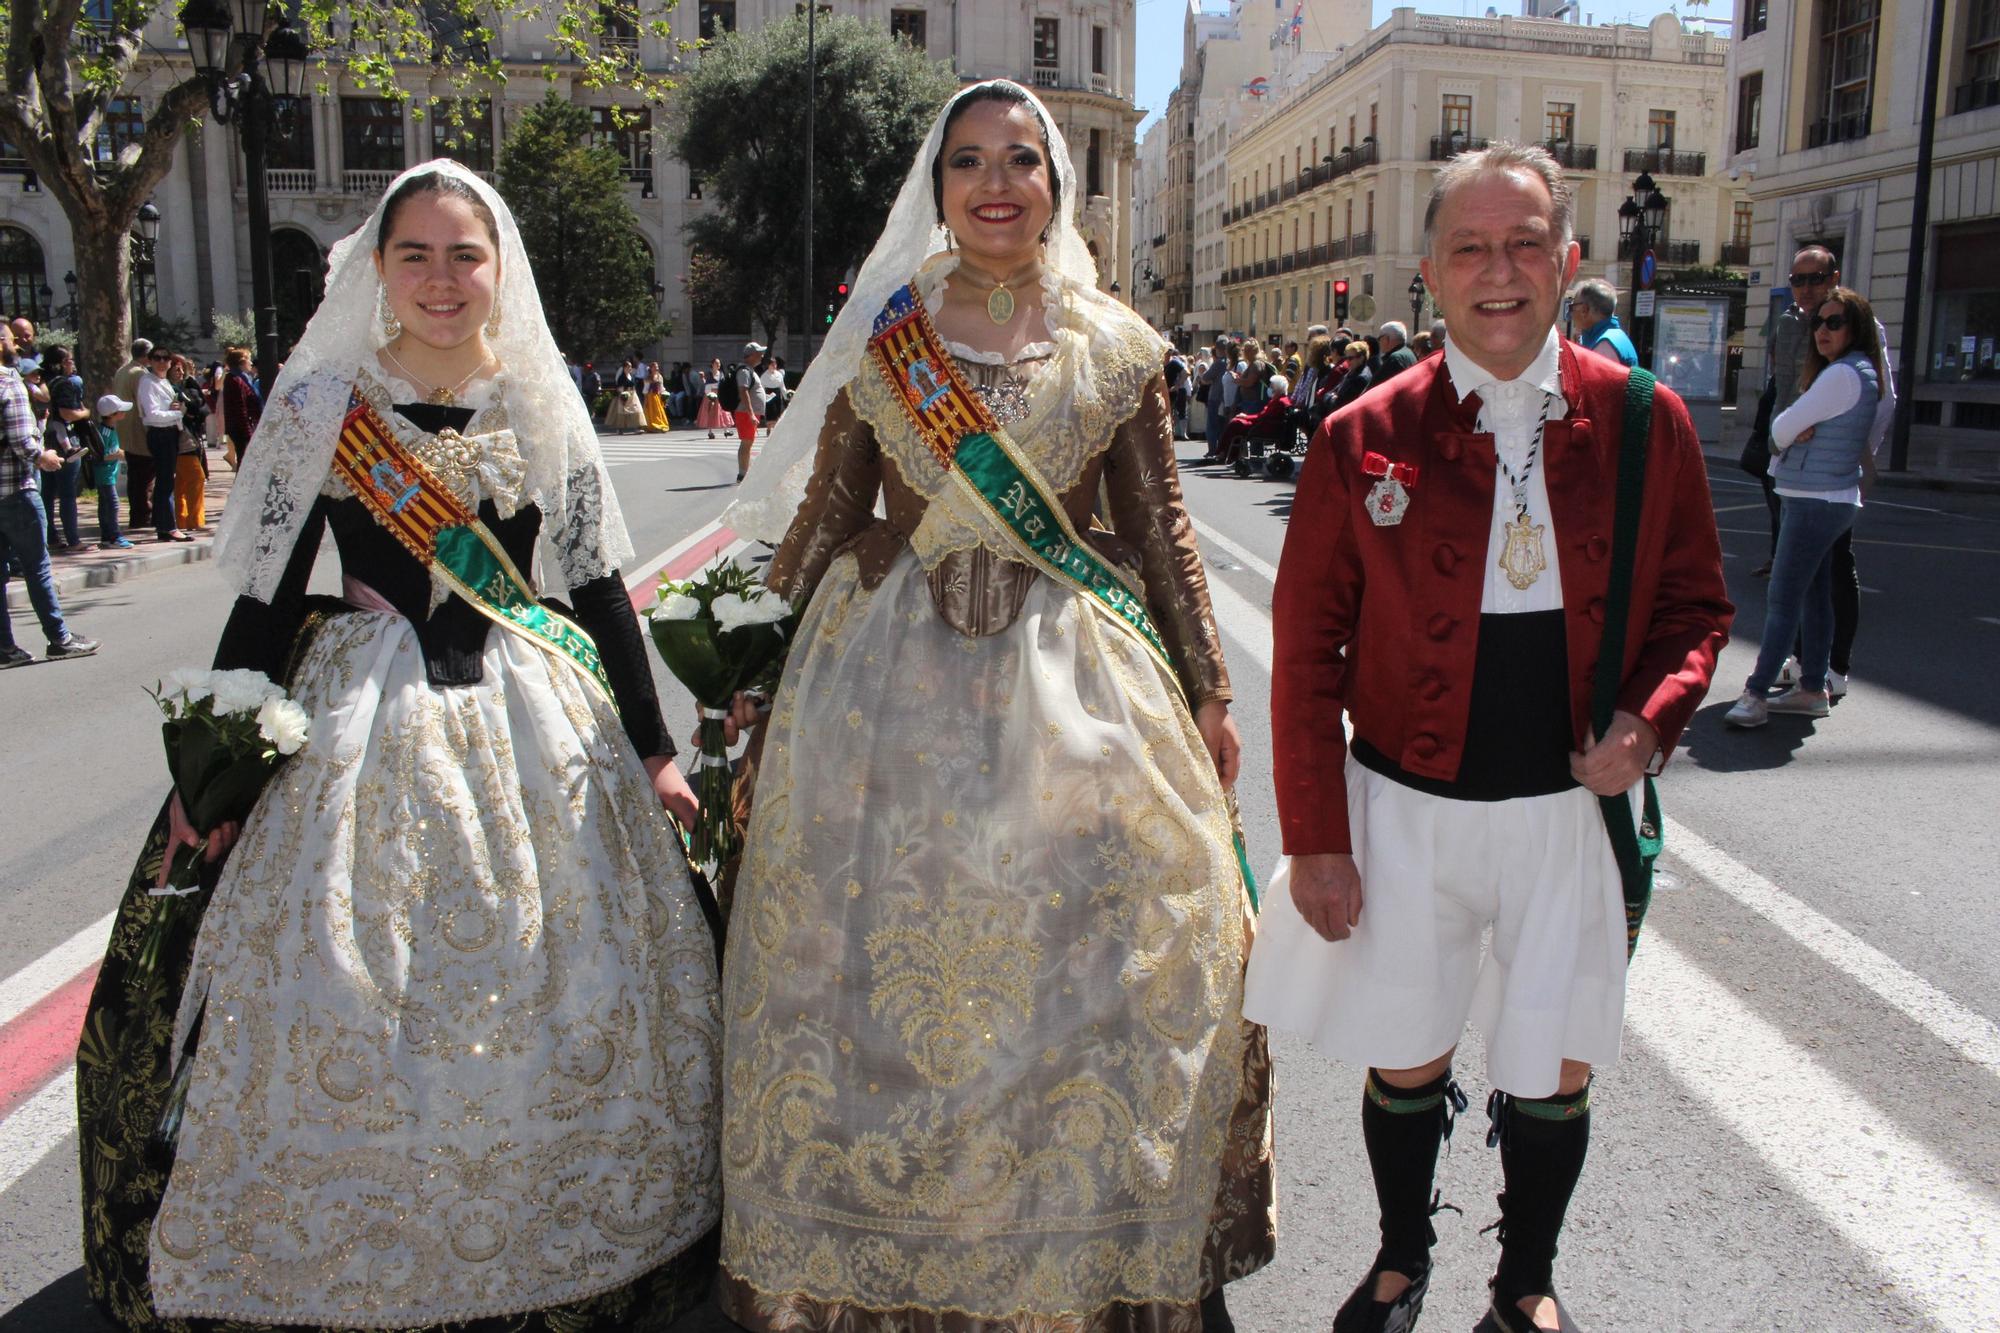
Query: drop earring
{"type": "Point", "coordinates": [392, 328]}
{"type": "Point", "coordinates": [493, 320]}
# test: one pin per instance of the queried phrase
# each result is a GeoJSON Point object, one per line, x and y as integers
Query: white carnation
{"type": "Point", "coordinates": [188, 685]}
{"type": "Point", "coordinates": [734, 612]}
{"type": "Point", "coordinates": [284, 724]}
{"type": "Point", "coordinates": [242, 692]}
{"type": "Point", "coordinates": [677, 606]}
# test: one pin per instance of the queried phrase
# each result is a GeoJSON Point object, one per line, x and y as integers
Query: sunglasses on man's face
{"type": "Point", "coordinates": [1835, 323]}
{"type": "Point", "coordinates": [1809, 279]}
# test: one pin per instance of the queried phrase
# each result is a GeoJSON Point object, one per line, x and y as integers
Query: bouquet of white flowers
{"type": "Point", "coordinates": [719, 633]}
{"type": "Point", "coordinates": [225, 732]}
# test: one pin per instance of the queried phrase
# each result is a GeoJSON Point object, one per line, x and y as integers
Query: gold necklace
{"type": "Point", "coordinates": [999, 302]}
{"type": "Point", "coordinates": [435, 396]}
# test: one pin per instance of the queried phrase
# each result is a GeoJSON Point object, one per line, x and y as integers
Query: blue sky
{"type": "Point", "coordinates": [1160, 34]}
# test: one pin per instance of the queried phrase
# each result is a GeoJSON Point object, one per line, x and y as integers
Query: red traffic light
{"type": "Point", "coordinates": [1340, 286]}
{"type": "Point", "coordinates": [842, 289]}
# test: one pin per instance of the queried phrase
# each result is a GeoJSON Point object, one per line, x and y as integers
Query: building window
{"type": "Point", "coordinates": [1093, 165]}
{"type": "Point", "coordinates": [1660, 130]}
{"type": "Point", "coordinates": [1097, 65]}
{"type": "Point", "coordinates": [717, 17]}
{"type": "Point", "coordinates": [1047, 49]}
{"type": "Point", "coordinates": [1373, 119]}
{"type": "Point", "coordinates": [1371, 212]}
{"type": "Point", "coordinates": [1560, 122]}
{"type": "Point", "coordinates": [912, 25]}
{"type": "Point", "coordinates": [1846, 83]}
{"type": "Point", "coordinates": [1749, 110]}
{"type": "Point", "coordinates": [124, 124]}
{"type": "Point", "coordinates": [1456, 118]}
{"type": "Point", "coordinates": [289, 147]}
{"type": "Point", "coordinates": [619, 33]}
{"type": "Point", "coordinates": [23, 272]}
{"type": "Point", "coordinates": [1965, 305]}
{"type": "Point", "coordinates": [463, 132]}
{"type": "Point", "coordinates": [1739, 223]}
{"type": "Point", "coordinates": [1756, 14]}
{"type": "Point", "coordinates": [1350, 220]}
{"type": "Point", "coordinates": [633, 141]}
{"type": "Point", "coordinates": [1979, 81]}
{"type": "Point", "coordinates": [371, 134]}
{"type": "Point", "coordinates": [1350, 131]}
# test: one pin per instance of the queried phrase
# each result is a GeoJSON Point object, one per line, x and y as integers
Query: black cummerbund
{"type": "Point", "coordinates": [1517, 736]}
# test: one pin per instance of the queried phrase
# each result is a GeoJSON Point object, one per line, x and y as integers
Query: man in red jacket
{"type": "Point", "coordinates": [1443, 586]}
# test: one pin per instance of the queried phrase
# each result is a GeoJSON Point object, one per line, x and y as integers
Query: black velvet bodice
{"type": "Point", "coordinates": [259, 635]}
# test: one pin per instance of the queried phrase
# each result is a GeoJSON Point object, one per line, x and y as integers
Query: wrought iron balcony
{"type": "Point", "coordinates": [1679, 252]}
{"type": "Point", "coordinates": [1735, 253]}
{"type": "Point", "coordinates": [1666, 162]}
{"type": "Point", "coordinates": [1444, 147]}
{"type": "Point", "coordinates": [1362, 243]}
{"type": "Point", "coordinates": [1573, 156]}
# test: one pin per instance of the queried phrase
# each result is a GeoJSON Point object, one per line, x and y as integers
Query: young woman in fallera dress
{"type": "Point", "coordinates": [451, 1008]}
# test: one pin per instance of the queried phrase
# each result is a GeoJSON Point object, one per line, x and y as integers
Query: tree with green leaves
{"type": "Point", "coordinates": [583, 242]}
{"type": "Point", "coordinates": [62, 72]}
{"type": "Point", "coordinates": [739, 121]}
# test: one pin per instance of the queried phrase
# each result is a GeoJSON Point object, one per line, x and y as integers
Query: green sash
{"type": "Point", "coordinates": [971, 446]}
{"type": "Point", "coordinates": [447, 538]}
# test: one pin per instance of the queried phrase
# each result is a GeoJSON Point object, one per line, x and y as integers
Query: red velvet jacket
{"type": "Point", "coordinates": [1383, 622]}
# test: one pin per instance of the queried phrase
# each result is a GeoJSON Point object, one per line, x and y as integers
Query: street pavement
{"type": "Point", "coordinates": [1801, 1134]}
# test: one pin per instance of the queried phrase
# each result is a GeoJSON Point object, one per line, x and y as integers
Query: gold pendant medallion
{"type": "Point", "coordinates": [1000, 304]}
{"type": "Point", "coordinates": [441, 398]}
{"type": "Point", "coordinates": [1521, 559]}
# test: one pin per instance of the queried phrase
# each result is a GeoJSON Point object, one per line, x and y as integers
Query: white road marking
{"type": "Point", "coordinates": [57, 967]}
{"type": "Point", "coordinates": [1888, 1194]}
{"type": "Point", "coordinates": [1988, 620]}
{"type": "Point", "coordinates": [1730, 509]}
{"type": "Point", "coordinates": [1970, 1034]}
{"type": "Point", "coordinates": [635, 577]}
{"type": "Point", "coordinates": [42, 1123]}
{"type": "Point", "coordinates": [1256, 565]}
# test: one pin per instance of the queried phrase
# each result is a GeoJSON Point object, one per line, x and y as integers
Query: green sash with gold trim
{"type": "Point", "coordinates": [969, 443]}
{"type": "Point", "coordinates": [447, 538]}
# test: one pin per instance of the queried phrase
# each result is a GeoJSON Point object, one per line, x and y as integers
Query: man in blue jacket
{"type": "Point", "coordinates": [1595, 303]}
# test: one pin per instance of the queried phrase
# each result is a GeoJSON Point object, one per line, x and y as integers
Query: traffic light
{"type": "Point", "coordinates": [839, 299]}
{"type": "Point", "coordinates": [1340, 299]}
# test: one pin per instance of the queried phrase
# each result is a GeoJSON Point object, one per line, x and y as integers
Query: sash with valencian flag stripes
{"type": "Point", "coordinates": [447, 538]}
{"type": "Point", "coordinates": [955, 423]}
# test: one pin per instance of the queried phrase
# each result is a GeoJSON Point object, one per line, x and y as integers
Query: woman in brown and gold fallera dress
{"type": "Point", "coordinates": [985, 1066]}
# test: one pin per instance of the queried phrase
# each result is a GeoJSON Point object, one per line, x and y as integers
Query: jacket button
{"type": "Point", "coordinates": [1432, 687]}
{"type": "Point", "coordinates": [1450, 449]}
{"type": "Point", "coordinates": [1441, 626]}
{"type": "Point", "coordinates": [1597, 548]}
{"type": "Point", "coordinates": [1425, 746]}
{"type": "Point", "coordinates": [1595, 610]}
{"type": "Point", "coordinates": [1444, 558]}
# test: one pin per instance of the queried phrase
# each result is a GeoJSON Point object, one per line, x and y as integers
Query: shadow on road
{"type": "Point", "coordinates": [1713, 744]}
{"type": "Point", "coordinates": [63, 1305]}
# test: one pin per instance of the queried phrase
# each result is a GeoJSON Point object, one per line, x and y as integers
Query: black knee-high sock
{"type": "Point", "coordinates": [1542, 1146]}
{"type": "Point", "coordinates": [1403, 1128]}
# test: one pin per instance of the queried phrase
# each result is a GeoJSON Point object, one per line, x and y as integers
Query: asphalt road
{"type": "Point", "coordinates": [1801, 1134]}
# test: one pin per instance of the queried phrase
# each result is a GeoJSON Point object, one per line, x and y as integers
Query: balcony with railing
{"type": "Point", "coordinates": [1045, 76]}
{"type": "Point", "coordinates": [1573, 156]}
{"type": "Point", "coordinates": [1736, 254]}
{"type": "Point", "coordinates": [291, 180]}
{"type": "Point", "coordinates": [1975, 96]}
{"type": "Point", "coordinates": [366, 182]}
{"type": "Point", "coordinates": [1159, 240]}
{"type": "Point", "coordinates": [1361, 243]}
{"type": "Point", "coordinates": [1679, 252]}
{"type": "Point", "coordinates": [1288, 189]}
{"type": "Point", "coordinates": [1837, 129]}
{"type": "Point", "coordinates": [1336, 250]}
{"type": "Point", "coordinates": [1286, 263]}
{"type": "Point", "coordinates": [1666, 162]}
{"type": "Point", "coordinates": [1444, 147]}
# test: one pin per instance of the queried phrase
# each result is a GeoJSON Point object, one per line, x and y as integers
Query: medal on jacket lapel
{"type": "Point", "coordinates": [1521, 558]}
{"type": "Point", "coordinates": [1388, 499]}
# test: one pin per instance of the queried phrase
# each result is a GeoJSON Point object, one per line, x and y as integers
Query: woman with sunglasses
{"type": "Point", "coordinates": [1821, 464]}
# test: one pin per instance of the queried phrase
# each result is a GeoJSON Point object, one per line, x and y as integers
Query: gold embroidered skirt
{"type": "Point", "coordinates": [985, 1060]}
{"type": "Point", "coordinates": [460, 1048]}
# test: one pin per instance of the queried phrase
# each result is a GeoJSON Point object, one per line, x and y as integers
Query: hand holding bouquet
{"type": "Point", "coordinates": [225, 732]}
{"type": "Point", "coordinates": [719, 633]}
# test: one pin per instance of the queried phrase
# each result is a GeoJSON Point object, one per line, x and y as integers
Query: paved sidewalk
{"type": "Point", "coordinates": [92, 568]}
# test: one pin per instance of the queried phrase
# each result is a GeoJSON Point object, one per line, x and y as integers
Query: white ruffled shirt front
{"type": "Point", "coordinates": [1510, 410]}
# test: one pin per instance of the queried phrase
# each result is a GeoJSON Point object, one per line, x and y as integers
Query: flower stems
{"type": "Point", "coordinates": [713, 840]}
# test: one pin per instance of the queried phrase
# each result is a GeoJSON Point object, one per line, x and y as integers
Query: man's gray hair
{"type": "Point", "coordinates": [141, 346]}
{"type": "Point", "coordinates": [1503, 156]}
{"type": "Point", "coordinates": [1598, 294]}
{"type": "Point", "coordinates": [1396, 329]}
{"type": "Point", "coordinates": [1315, 331]}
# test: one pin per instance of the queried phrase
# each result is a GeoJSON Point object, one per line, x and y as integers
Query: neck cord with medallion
{"type": "Point", "coordinates": [1000, 304]}
{"type": "Point", "coordinates": [434, 395]}
{"type": "Point", "coordinates": [1521, 558]}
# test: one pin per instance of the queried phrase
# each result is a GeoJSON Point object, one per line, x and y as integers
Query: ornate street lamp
{"type": "Point", "coordinates": [69, 308]}
{"type": "Point", "coordinates": [1417, 294]}
{"type": "Point", "coordinates": [1641, 219]}
{"type": "Point", "coordinates": [258, 100]}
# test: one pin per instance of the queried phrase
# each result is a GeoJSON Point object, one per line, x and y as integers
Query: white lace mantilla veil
{"type": "Point", "coordinates": [292, 450]}
{"type": "Point", "coordinates": [776, 486]}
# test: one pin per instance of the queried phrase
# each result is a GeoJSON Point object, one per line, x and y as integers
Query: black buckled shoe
{"type": "Point", "coordinates": [1362, 1313]}
{"type": "Point", "coordinates": [1507, 1317]}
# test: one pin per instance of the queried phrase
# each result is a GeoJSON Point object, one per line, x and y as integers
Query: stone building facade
{"type": "Point", "coordinates": [1329, 181]}
{"type": "Point", "coordinates": [1826, 97]}
{"type": "Point", "coordinates": [325, 178]}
